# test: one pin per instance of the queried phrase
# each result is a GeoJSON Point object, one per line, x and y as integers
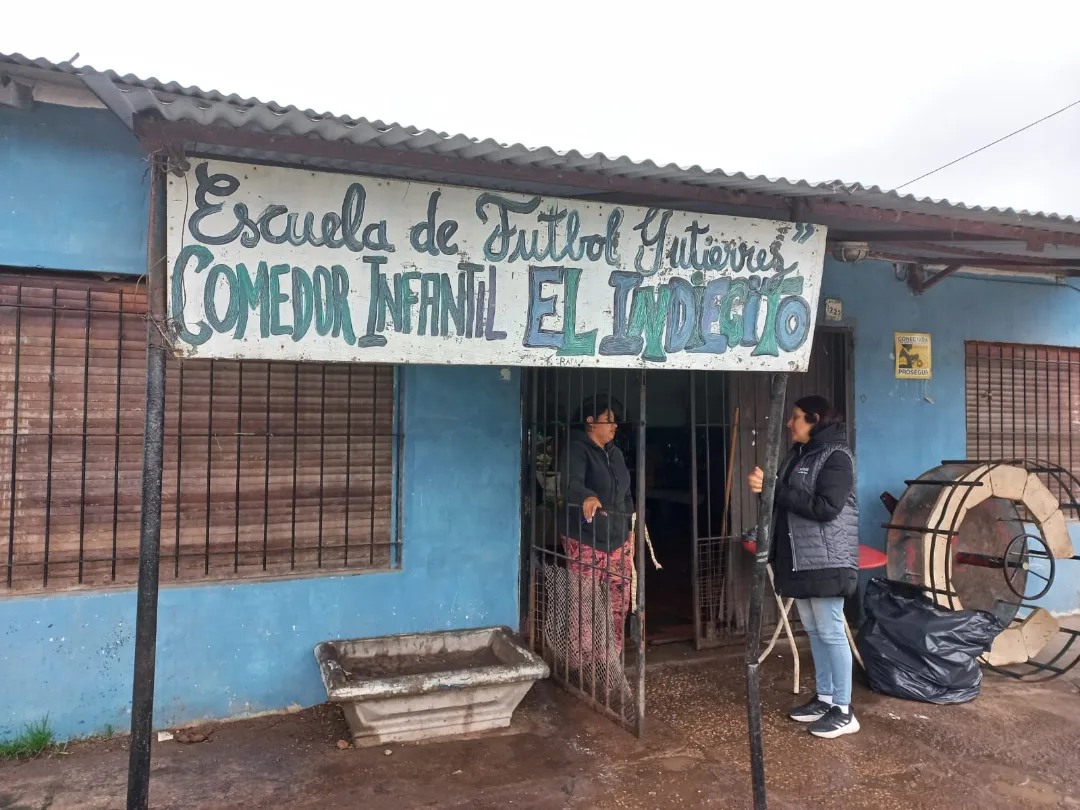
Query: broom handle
{"type": "Point", "coordinates": [725, 519]}
{"type": "Point", "coordinates": [724, 523]}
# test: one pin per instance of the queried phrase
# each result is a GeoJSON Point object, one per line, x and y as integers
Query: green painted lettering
{"type": "Point", "coordinates": [449, 308]}
{"type": "Point", "coordinates": [302, 302]}
{"type": "Point", "coordinates": [324, 305]}
{"type": "Point", "coordinates": [648, 314]}
{"type": "Point", "coordinates": [408, 298]}
{"type": "Point", "coordinates": [255, 295]}
{"type": "Point", "coordinates": [203, 259]}
{"type": "Point", "coordinates": [277, 298]}
{"type": "Point", "coordinates": [732, 308]}
{"type": "Point", "coordinates": [573, 344]}
{"type": "Point", "coordinates": [389, 303]}
{"type": "Point", "coordinates": [774, 291]}
{"type": "Point", "coordinates": [342, 314]}
{"type": "Point", "coordinates": [429, 304]}
{"type": "Point", "coordinates": [221, 323]}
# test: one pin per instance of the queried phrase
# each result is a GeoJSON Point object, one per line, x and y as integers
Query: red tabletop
{"type": "Point", "coordinates": [871, 558]}
{"type": "Point", "coordinates": [868, 557]}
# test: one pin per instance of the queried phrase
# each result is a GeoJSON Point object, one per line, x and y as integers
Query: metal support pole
{"type": "Point", "coordinates": [695, 539]}
{"type": "Point", "coordinates": [773, 434]}
{"type": "Point", "coordinates": [142, 694]}
{"type": "Point", "coordinates": [531, 507]}
{"type": "Point", "coordinates": [639, 561]}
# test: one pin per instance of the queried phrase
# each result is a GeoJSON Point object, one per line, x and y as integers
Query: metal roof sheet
{"type": "Point", "coordinates": [177, 103]}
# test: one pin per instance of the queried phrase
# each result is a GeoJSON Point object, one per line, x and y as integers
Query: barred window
{"type": "Point", "coordinates": [270, 469]}
{"type": "Point", "coordinates": [1023, 402]}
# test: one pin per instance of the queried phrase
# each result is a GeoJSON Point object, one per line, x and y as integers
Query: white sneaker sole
{"type": "Point", "coordinates": [850, 728]}
{"type": "Point", "coordinates": [806, 718]}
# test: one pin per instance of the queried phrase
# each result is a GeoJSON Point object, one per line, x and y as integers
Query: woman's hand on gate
{"type": "Point", "coordinates": [756, 480]}
{"type": "Point", "coordinates": [590, 507]}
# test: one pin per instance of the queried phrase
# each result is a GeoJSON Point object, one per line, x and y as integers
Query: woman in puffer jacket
{"type": "Point", "coordinates": [816, 551]}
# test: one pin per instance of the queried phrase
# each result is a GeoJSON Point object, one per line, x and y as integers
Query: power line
{"type": "Point", "coordinates": [994, 143]}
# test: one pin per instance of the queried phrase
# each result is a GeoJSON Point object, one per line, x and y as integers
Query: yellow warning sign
{"type": "Point", "coordinates": [912, 350]}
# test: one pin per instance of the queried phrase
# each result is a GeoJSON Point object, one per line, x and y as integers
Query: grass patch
{"type": "Point", "coordinates": [35, 739]}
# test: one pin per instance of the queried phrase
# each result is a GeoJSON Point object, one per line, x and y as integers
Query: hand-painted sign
{"type": "Point", "coordinates": [288, 264]}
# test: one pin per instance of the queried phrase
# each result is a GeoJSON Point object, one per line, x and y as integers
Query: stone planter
{"type": "Point", "coordinates": [425, 685]}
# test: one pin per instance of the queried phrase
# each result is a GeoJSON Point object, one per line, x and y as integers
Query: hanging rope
{"type": "Point", "coordinates": [633, 565]}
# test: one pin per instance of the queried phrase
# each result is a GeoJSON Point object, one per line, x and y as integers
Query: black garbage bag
{"type": "Point", "coordinates": [915, 650]}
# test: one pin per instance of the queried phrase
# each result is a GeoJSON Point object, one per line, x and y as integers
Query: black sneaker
{"type": "Point", "coordinates": [835, 723]}
{"type": "Point", "coordinates": [809, 712]}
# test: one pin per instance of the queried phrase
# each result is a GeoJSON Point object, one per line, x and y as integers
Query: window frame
{"type": "Point", "coordinates": [75, 337]}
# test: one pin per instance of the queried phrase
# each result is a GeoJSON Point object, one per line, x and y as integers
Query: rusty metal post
{"type": "Point", "coordinates": [773, 435]}
{"type": "Point", "coordinates": [142, 693]}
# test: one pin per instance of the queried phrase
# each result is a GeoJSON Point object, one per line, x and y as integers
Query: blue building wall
{"type": "Point", "coordinates": [247, 647]}
{"type": "Point", "coordinates": [76, 184]}
{"type": "Point", "coordinates": [76, 187]}
{"type": "Point", "coordinates": [905, 427]}
{"type": "Point", "coordinates": [74, 191]}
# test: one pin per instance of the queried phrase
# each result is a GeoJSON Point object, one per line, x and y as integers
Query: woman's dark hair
{"type": "Point", "coordinates": [594, 406]}
{"type": "Point", "coordinates": [819, 411]}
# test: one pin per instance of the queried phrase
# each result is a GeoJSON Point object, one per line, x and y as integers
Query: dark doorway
{"type": "Point", "coordinates": [701, 444]}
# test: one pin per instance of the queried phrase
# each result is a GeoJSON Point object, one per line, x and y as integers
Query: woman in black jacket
{"type": "Point", "coordinates": [595, 531]}
{"type": "Point", "coordinates": [816, 551]}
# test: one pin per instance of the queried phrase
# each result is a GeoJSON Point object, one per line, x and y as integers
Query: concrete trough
{"type": "Point", "coordinates": [426, 685]}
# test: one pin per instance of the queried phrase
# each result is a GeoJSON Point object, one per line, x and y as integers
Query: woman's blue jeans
{"type": "Point", "coordinates": [823, 620]}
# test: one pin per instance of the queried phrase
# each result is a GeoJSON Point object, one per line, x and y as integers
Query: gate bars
{"type": "Point", "coordinates": [572, 597]}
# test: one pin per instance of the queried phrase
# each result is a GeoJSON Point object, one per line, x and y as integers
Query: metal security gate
{"type": "Point", "coordinates": [584, 613]}
{"type": "Point", "coordinates": [727, 416]}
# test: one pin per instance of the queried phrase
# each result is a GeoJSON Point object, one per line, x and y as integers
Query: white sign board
{"type": "Point", "coordinates": [288, 264]}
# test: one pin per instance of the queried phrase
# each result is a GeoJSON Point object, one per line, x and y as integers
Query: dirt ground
{"type": "Point", "coordinates": [1017, 746]}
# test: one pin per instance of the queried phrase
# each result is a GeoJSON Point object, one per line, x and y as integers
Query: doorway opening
{"type": "Point", "coordinates": [689, 452]}
{"type": "Point", "coordinates": [582, 597]}
{"type": "Point", "coordinates": [702, 443]}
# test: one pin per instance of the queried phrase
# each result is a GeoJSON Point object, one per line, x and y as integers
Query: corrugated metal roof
{"type": "Point", "coordinates": [177, 103]}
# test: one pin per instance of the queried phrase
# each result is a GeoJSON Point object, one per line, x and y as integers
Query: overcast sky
{"type": "Point", "coordinates": [833, 90]}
